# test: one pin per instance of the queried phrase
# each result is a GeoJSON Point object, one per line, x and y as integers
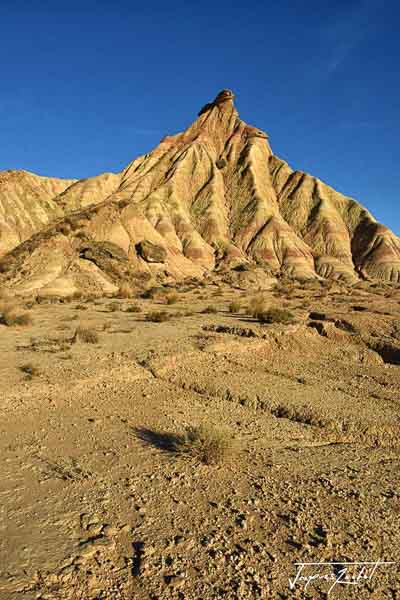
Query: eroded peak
{"type": "Point", "coordinates": [220, 98]}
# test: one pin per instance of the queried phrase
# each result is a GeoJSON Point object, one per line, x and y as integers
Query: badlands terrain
{"type": "Point", "coordinates": [200, 378]}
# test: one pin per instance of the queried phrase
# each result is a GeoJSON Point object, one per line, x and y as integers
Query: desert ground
{"type": "Point", "coordinates": [101, 499]}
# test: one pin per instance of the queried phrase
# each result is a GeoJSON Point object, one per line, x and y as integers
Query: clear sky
{"type": "Point", "coordinates": [87, 86]}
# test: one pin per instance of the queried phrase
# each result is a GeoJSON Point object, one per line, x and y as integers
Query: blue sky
{"type": "Point", "coordinates": [87, 86]}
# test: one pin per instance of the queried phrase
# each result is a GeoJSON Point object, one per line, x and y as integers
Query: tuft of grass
{"type": "Point", "coordinates": [275, 315]}
{"type": "Point", "coordinates": [86, 334]}
{"type": "Point", "coordinates": [12, 316]}
{"type": "Point", "coordinates": [210, 310]}
{"type": "Point", "coordinates": [172, 298]}
{"type": "Point", "coordinates": [133, 308]}
{"type": "Point", "coordinates": [206, 444]}
{"type": "Point", "coordinates": [30, 370]}
{"type": "Point", "coordinates": [257, 305]}
{"type": "Point", "coordinates": [159, 316]}
{"type": "Point", "coordinates": [153, 293]}
{"type": "Point", "coordinates": [235, 306]}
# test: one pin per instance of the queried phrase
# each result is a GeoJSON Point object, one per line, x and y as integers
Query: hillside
{"type": "Point", "coordinates": [213, 197]}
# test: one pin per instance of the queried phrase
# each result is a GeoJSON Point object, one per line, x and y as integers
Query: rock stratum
{"type": "Point", "coordinates": [213, 198]}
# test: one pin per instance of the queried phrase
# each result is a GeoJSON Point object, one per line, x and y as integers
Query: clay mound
{"type": "Point", "coordinates": [211, 198]}
{"type": "Point", "coordinates": [27, 203]}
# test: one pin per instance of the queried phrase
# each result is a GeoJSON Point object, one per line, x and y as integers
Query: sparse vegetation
{"type": "Point", "coordinates": [153, 293]}
{"type": "Point", "coordinates": [207, 444]}
{"type": "Point", "coordinates": [30, 371]}
{"type": "Point", "coordinates": [114, 306]}
{"type": "Point", "coordinates": [204, 444]}
{"type": "Point", "coordinates": [77, 295]}
{"type": "Point", "coordinates": [257, 305]}
{"type": "Point", "coordinates": [86, 334]}
{"type": "Point", "coordinates": [172, 298]}
{"type": "Point", "coordinates": [133, 308]}
{"type": "Point", "coordinates": [159, 316]}
{"type": "Point", "coordinates": [210, 310]}
{"type": "Point", "coordinates": [13, 316]}
{"type": "Point", "coordinates": [275, 315]}
{"type": "Point", "coordinates": [235, 306]}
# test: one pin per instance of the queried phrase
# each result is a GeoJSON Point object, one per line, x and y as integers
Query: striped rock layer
{"type": "Point", "coordinates": [210, 198]}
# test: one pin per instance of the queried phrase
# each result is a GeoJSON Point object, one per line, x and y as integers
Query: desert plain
{"type": "Point", "coordinates": [101, 500]}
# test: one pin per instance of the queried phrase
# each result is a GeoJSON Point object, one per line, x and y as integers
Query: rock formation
{"type": "Point", "coordinates": [214, 197]}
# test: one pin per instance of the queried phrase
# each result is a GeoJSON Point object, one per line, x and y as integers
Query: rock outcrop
{"type": "Point", "coordinates": [210, 198]}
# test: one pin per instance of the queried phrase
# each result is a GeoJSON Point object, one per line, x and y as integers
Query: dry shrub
{"type": "Point", "coordinates": [159, 316]}
{"type": "Point", "coordinates": [64, 228]}
{"type": "Point", "coordinates": [298, 413]}
{"type": "Point", "coordinates": [172, 298]}
{"type": "Point", "coordinates": [235, 306]}
{"type": "Point", "coordinates": [133, 308]}
{"type": "Point", "coordinates": [114, 306]}
{"type": "Point", "coordinates": [275, 315]}
{"type": "Point", "coordinates": [179, 314]}
{"type": "Point", "coordinates": [125, 290]}
{"type": "Point", "coordinates": [77, 295]}
{"type": "Point", "coordinates": [153, 293]}
{"type": "Point", "coordinates": [210, 310]}
{"type": "Point", "coordinates": [257, 305]}
{"type": "Point", "coordinates": [207, 444]}
{"type": "Point", "coordinates": [13, 316]}
{"type": "Point", "coordinates": [30, 370]}
{"type": "Point", "coordinates": [86, 334]}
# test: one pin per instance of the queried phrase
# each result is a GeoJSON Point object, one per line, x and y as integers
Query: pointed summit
{"type": "Point", "coordinates": [212, 198]}
{"type": "Point", "coordinates": [221, 98]}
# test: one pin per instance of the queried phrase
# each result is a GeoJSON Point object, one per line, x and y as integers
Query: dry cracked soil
{"type": "Point", "coordinates": [97, 501]}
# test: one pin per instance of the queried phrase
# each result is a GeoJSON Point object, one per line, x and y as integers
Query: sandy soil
{"type": "Point", "coordinates": [95, 506]}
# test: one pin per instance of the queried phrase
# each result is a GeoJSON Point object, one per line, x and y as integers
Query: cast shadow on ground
{"type": "Point", "coordinates": [167, 442]}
